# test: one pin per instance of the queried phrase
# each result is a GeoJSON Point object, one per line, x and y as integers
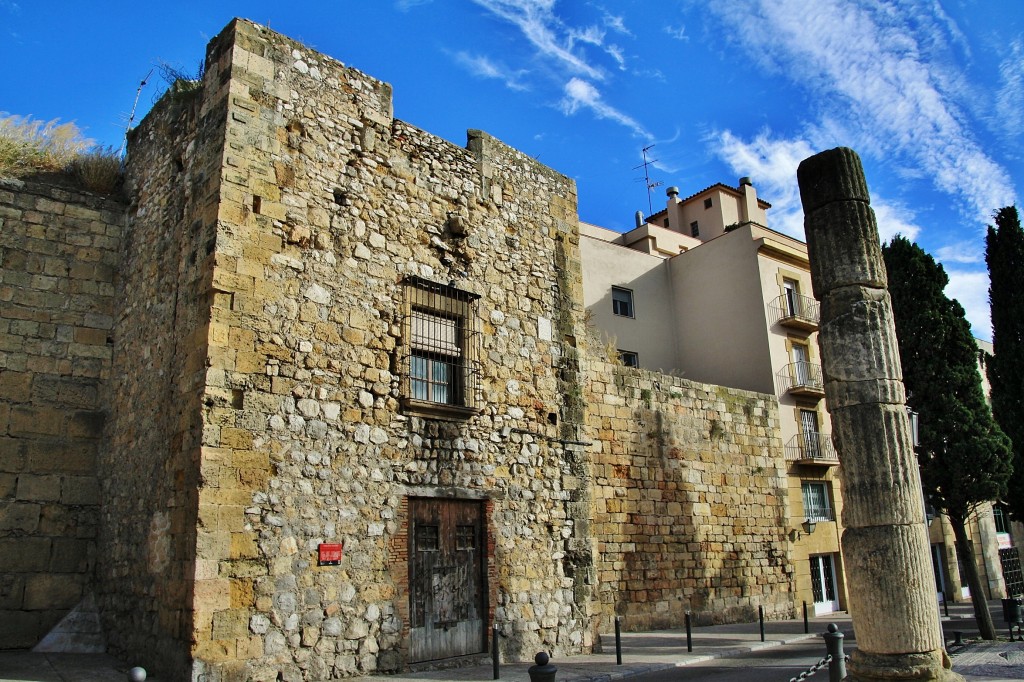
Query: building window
{"type": "Point", "coordinates": [816, 503]}
{"type": "Point", "coordinates": [694, 229]}
{"type": "Point", "coordinates": [439, 360]}
{"type": "Point", "coordinates": [1001, 519]}
{"type": "Point", "coordinates": [622, 302]}
{"type": "Point", "coordinates": [791, 288]}
{"type": "Point", "coordinates": [707, 203]}
{"type": "Point", "coordinates": [666, 222]}
{"type": "Point", "coordinates": [629, 358]}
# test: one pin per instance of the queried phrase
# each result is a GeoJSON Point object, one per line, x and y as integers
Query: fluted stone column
{"type": "Point", "coordinates": [885, 544]}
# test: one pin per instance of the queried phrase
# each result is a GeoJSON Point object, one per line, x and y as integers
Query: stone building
{"type": "Point", "coordinates": [320, 399]}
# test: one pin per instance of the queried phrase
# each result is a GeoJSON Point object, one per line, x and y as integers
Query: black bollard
{"type": "Point", "coordinates": [542, 672]}
{"type": "Point", "coordinates": [945, 604]}
{"type": "Point", "coordinates": [760, 619]}
{"type": "Point", "coordinates": [618, 641]}
{"type": "Point", "coordinates": [689, 635]}
{"type": "Point", "coordinates": [494, 652]}
{"type": "Point", "coordinates": [834, 647]}
{"type": "Point", "coordinates": [807, 628]}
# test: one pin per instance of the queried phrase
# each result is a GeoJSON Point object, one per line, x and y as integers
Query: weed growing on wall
{"type": "Point", "coordinates": [31, 146]}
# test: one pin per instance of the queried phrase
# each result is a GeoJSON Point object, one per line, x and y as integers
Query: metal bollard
{"type": "Point", "coordinates": [689, 635]}
{"type": "Point", "coordinates": [807, 627]}
{"type": "Point", "coordinates": [834, 647]}
{"type": "Point", "coordinates": [760, 618]}
{"type": "Point", "coordinates": [618, 640]}
{"type": "Point", "coordinates": [945, 604]}
{"type": "Point", "coordinates": [542, 672]}
{"type": "Point", "coordinates": [494, 652]}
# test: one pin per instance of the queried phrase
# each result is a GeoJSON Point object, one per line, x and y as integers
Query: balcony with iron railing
{"type": "Point", "coordinates": [802, 379]}
{"type": "Point", "coordinates": [816, 513]}
{"type": "Point", "coordinates": [811, 447]}
{"type": "Point", "coordinates": [795, 311]}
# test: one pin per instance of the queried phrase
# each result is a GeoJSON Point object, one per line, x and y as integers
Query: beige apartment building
{"type": "Point", "coordinates": [704, 289]}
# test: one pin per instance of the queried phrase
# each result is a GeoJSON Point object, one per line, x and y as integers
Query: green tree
{"type": "Point", "coordinates": [1004, 253]}
{"type": "Point", "coordinates": [964, 456]}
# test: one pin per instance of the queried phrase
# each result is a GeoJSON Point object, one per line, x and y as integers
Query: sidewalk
{"type": "Point", "coordinates": [644, 652]}
{"type": "Point", "coordinates": [641, 652]}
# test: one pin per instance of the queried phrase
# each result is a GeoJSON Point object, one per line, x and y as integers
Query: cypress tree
{"type": "Point", "coordinates": [964, 456]}
{"type": "Point", "coordinates": [1004, 253]}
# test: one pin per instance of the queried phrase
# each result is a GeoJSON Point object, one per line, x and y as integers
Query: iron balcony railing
{"type": "Point", "coordinates": [811, 446]}
{"type": "Point", "coordinates": [794, 310]}
{"type": "Point", "coordinates": [802, 378]}
{"type": "Point", "coordinates": [818, 513]}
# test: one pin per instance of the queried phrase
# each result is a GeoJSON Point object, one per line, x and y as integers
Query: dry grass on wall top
{"type": "Point", "coordinates": [28, 146]}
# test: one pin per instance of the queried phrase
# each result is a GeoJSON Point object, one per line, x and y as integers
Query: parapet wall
{"type": "Point", "coordinates": [58, 265]}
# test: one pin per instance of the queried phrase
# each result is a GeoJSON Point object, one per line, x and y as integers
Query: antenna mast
{"type": "Point", "coordinates": [647, 177]}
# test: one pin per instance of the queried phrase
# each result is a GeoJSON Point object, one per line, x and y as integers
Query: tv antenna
{"type": "Point", "coordinates": [647, 176]}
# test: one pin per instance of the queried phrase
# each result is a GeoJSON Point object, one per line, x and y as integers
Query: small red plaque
{"type": "Point", "coordinates": [330, 554]}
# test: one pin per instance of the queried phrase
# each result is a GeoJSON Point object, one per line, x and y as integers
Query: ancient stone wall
{"type": "Point", "coordinates": [58, 256]}
{"type": "Point", "coordinates": [689, 500]}
{"type": "Point", "coordinates": [328, 207]}
{"type": "Point", "coordinates": [150, 469]}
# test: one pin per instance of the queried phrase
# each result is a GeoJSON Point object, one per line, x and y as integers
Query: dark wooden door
{"type": "Point", "coordinates": [446, 579]}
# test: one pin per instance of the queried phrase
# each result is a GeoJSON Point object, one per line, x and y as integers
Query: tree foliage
{"type": "Point", "coordinates": [1004, 253]}
{"type": "Point", "coordinates": [964, 456]}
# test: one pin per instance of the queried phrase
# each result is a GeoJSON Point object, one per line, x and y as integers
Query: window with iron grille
{"type": "Point", "coordinates": [816, 502]}
{"type": "Point", "coordinates": [440, 351]}
{"type": "Point", "coordinates": [629, 358]}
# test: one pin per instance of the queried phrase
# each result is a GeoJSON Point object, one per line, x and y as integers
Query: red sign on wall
{"type": "Point", "coordinates": [330, 554]}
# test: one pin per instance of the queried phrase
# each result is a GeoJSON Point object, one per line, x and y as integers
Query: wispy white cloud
{"type": "Point", "coordinates": [617, 24]}
{"type": "Point", "coordinates": [678, 32]}
{"type": "Point", "coordinates": [482, 66]}
{"type": "Point", "coordinates": [772, 162]}
{"type": "Point", "coordinates": [970, 288]}
{"type": "Point", "coordinates": [406, 5]}
{"type": "Point", "coordinates": [966, 252]}
{"type": "Point", "coordinates": [538, 23]}
{"type": "Point", "coordinates": [1010, 98]}
{"type": "Point", "coordinates": [592, 35]}
{"type": "Point", "coordinates": [617, 54]}
{"type": "Point", "coordinates": [863, 62]}
{"type": "Point", "coordinates": [581, 94]}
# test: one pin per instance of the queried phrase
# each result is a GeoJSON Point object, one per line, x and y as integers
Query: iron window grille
{"type": "Point", "coordinates": [817, 506]}
{"type": "Point", "coordinates": [440, 353]}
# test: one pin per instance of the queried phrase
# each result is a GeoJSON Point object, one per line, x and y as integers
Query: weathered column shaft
{"type": "Point", "coordinates": [885, 545]}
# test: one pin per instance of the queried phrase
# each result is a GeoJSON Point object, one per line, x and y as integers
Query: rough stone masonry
{"type": "Point", "coordinates": [286, 242]}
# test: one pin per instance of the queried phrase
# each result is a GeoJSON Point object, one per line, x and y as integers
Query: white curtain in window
{"type": "Point", "coordinates": [435, 334]}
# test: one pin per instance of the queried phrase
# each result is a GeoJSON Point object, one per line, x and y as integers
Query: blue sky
{"type": "Point", "coordinates": [930, 93]}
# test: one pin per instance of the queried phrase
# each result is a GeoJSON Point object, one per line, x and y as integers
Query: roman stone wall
{"type": "Point", "coordinates": [690, 504]}
{"type": "Point", "coordinates": [150, 469]}
{"type": "Point", "coordinates": [58, 256]}
{"type": "Point", "coordinates": [327, 206]}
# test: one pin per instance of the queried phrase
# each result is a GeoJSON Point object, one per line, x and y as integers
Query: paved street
{"type": "Point", "coordinates": [721, 653]}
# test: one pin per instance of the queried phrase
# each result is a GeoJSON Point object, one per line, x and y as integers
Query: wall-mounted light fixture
{"type": "Point", "coordinates": [808, 527]}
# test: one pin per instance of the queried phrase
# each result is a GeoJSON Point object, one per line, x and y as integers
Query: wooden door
{"type": "Point", "coordinates": [447, 590]}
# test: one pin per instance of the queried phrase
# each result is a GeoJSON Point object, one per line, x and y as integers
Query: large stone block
{"type": "Point", "coordinates": [53, 591]}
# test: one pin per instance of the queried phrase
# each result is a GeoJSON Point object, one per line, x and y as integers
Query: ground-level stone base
{"type": "Point", "coordinates": [927, 666]}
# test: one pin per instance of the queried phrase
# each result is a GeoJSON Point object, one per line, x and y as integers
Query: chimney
{"type": "Point", "coordinates": [748, 206]}
{"type": "Point", "coordinates": [639, 218]}
{"type": "Point", "coordinates": [672, 193]}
